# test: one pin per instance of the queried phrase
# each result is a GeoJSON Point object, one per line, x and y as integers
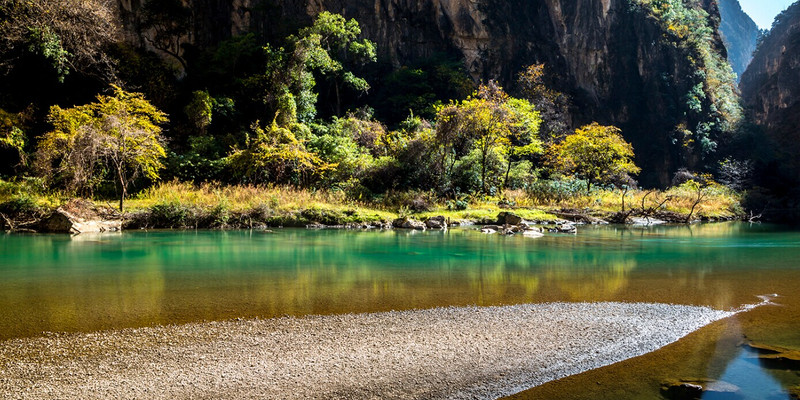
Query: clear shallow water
{"type": "Point", "coordinates": [86, 283]}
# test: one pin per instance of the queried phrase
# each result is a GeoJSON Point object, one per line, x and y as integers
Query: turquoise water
{"type": "Point", "coordinates": [87, 283]}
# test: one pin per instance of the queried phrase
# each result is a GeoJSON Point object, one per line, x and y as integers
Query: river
{"type": "Point", "coordinates": [133, 279]}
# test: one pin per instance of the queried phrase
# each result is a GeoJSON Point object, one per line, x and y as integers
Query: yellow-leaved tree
{"type": "Point", "coordinates": [118, 135]}
{"type": "Point", "coordinates": [275, 154]}
{"type": "Point", "coordinates": [596, 153]}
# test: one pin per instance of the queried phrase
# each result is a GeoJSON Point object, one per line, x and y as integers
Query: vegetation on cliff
{"type": "Point", "coordinates": [294, 113]}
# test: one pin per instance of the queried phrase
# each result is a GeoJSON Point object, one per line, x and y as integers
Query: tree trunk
{"type": "Point", "coordinates": [508, 171]}
{"type": "Point", "coordinates": [483, 173]}
{"type": "Point", "coordinates": [338, 99]}
{"type": "Point", "coordinates": [121, 189]}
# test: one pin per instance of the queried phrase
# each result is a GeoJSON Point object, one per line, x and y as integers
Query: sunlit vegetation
{"type": "Point", "coordinates": [711, 103]}
{"type": "Point", "coordinates": [275, 127]}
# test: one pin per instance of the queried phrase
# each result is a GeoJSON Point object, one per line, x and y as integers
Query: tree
{"type": "Point", "coordinates": [287, 85]}
{"type": "Point", "coordinates": [199, 110]}
{"type": "Point", "coordinates": [332, 44]}
{"type": "Point", "coordinates": [164, 25]}
{"type": "Point", "coordinates": [276, 154]}
{"type": "Point", "coordinates": [118, 134]}
{"type": "Point", "coordinates": [11, 134]}
{"type": "Point", "coordinates": [490, 121]}
{"type": "Point", "coordinates": [595, 153]}
{"type": "Point", "coordinates": [551, 104]}
{"type": "Point", "coordinates": [70, 34]}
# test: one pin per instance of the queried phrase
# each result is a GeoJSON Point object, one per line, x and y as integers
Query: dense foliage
{"type": "Point", "coordinates": [313, 109]}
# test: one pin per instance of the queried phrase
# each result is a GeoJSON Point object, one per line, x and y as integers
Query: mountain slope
{"type": "Point", "coordinates": [740, 34]}
{"type": "Point", "coordinates": [771, 89]}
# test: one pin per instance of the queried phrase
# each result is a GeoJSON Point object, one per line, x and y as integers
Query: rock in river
{"type": "Point", "coordinates": [79, 216]}
{"type": "Point", "coordinates": [437, 222]}
{"type": "Point", "coordinates": [408, 223]}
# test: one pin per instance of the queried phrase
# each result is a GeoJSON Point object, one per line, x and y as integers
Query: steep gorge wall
{"type": "Point", "coordinates": [771, 89]}
{"type": "Point", "coordinates": [608, 55]}
{"type": "Point", "coordinates": [740, 34]}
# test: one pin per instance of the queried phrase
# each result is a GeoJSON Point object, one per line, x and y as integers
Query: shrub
{"type": "Point", "coordinates": [171, 214]}
{"type": "Point", "coordinates": [546, 191]}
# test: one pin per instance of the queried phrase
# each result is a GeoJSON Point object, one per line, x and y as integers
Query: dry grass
{"type": "Point", "coordinates": [717, 201]}
{"type": "Point", "coordinates": [241, 198]}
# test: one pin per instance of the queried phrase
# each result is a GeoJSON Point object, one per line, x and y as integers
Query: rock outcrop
{"type": "Point", "coordinates": [437, 222]}
{"type": "Point", "coordinates": [80, 216]}
{"type": "Point", "coordinates": [408, 223]}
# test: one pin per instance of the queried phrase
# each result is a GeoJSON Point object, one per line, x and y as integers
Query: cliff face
{"type": "Point", "coordinates": [771, 88]}
{"type": "Point", "coordinates": [608, 55]}
{"type": "Point", "coordinates": [740, 34]}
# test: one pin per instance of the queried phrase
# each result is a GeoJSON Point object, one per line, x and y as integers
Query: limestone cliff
{"type": "Point", "coordinates": [740, 34]}
{"type": "Point", "coordinates": [610, 56]}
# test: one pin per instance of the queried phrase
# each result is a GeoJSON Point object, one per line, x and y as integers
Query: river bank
{"type": "Point", "coordinates": [452, 352]}
{"type": "Point", "coordinates": [184, 206]}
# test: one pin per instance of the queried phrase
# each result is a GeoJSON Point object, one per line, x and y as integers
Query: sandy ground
{"type": "Point", "coordinates": [460, 353]}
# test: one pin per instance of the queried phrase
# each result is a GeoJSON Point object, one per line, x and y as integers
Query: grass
{"type": "Point", "coordinates": [31, 191]}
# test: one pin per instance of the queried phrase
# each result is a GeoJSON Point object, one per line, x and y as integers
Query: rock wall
{"type": "Point", "coordinates": [771, 88]}
{"type": "Point", "coordinates": [740, 34]}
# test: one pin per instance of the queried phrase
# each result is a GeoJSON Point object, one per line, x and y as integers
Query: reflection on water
{"type": "Point", "coordinates": [85, 283]}
{"type": "Point", "coordinates": [753, 381]}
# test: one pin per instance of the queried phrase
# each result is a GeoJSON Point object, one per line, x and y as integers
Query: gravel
{"type": "Point", "coordinates": [453, 352]}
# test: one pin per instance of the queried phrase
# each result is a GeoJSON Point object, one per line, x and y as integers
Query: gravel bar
{"type": "Point", "coordinates": [452, 352]}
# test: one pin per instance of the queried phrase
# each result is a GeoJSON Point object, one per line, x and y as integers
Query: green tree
{"type": "Point", "coordinates": [327, 47]}
{"type": "Point", "coordinates": [11, 134]}
{"type": "Point", "coordinates": [199, 110]}
{"type": "Point", "coordinates": [119, 134]}
{"type": "Point", "coordinates": [595, 153]}
{"type": "Point", "coordinates": [491, 121]}
{"type": "Point", "coordinates": [332, 44]}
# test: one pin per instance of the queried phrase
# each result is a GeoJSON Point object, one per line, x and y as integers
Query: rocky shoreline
{"type": "Point", "coordinates": [82, 216]}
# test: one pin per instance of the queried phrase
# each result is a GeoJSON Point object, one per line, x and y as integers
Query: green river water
{"type": "Point", "coordinates": [87, 283]}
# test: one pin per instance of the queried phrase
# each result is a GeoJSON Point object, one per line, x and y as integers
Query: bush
{"type": "Point", "coordinates": [171, 214]}
{"type": "Point", "coordinates": [546, 191]}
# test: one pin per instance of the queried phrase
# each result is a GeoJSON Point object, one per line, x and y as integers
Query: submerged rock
{"type": "Point", "coordinates": [695, 389]}
{"type": "Point", "coordinates": [532, 234]}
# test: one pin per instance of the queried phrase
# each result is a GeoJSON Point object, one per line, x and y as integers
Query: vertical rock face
{"type": "Point", "coordinates": [608, 55]}
{"type": "Point", "coordinates": [771, 87]}
{"type": "Point", "coordinates": [740, 34]}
